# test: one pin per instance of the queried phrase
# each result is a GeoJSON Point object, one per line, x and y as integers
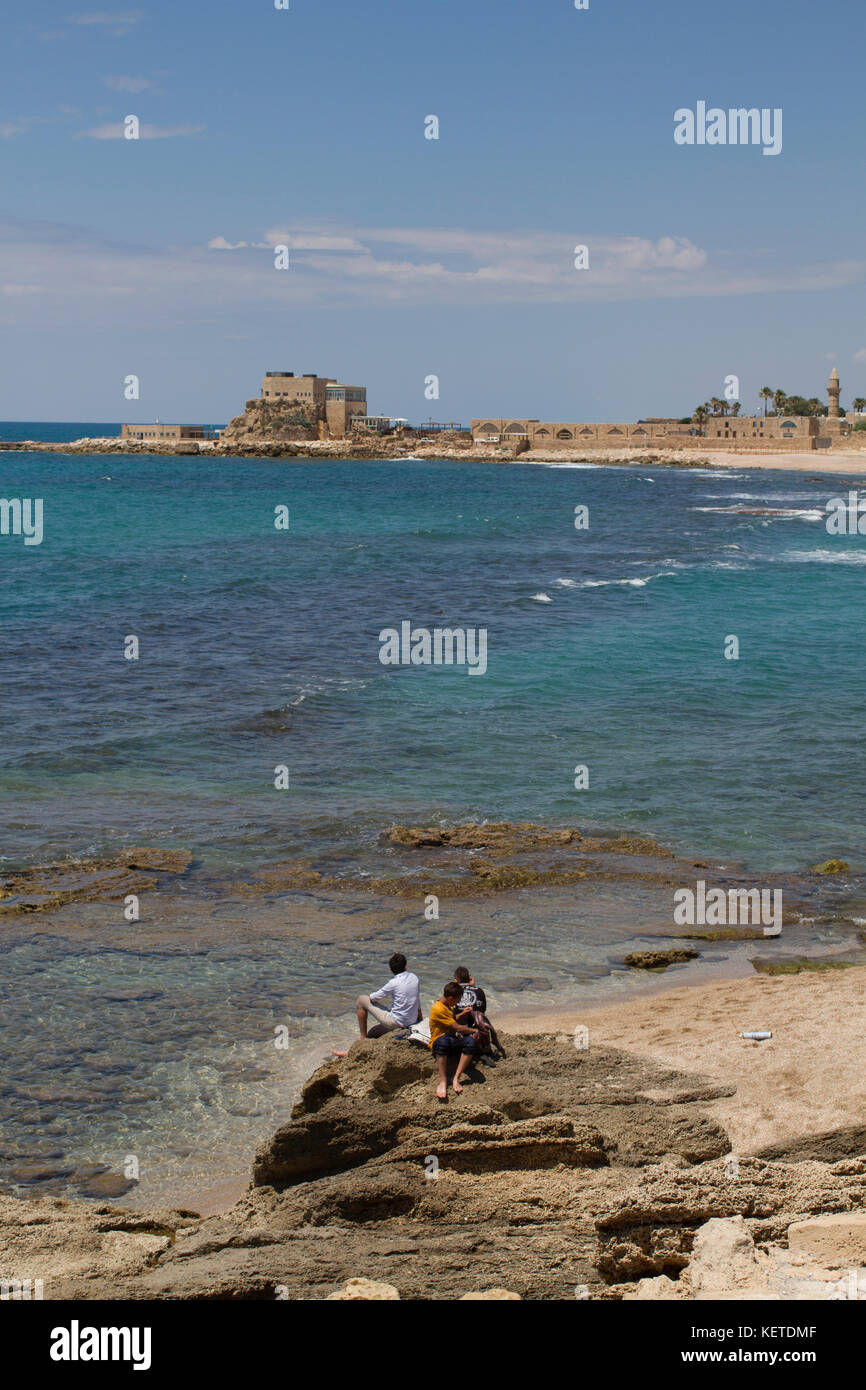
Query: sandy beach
{"type": "Point", "coordinates": [841, 461]}
{"type": "Point", "coordinates": [810, 1077]}
{"type": "Point", "coordinates": [825, 463]}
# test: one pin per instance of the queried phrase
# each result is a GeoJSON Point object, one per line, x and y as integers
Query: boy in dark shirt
{"type": "Point", "coordinates": [472, 1011]}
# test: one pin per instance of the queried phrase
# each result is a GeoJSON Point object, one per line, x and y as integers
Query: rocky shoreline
{"type": "Point", "coordinates": [357, 449]}
{"type": "Point", "coordinates": [566, 1167]}
{"type": "Point", "coordinates": [562, 1173]}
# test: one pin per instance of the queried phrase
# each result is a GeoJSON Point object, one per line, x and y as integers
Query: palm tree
{"type": "Point", "coordinates": [735, 408]}
{"type": "Point", "coordinates": [700, 416]}
{"type": "Point", "coordinates": [859, 404]}
{"type": "Point", "coordinates": [766, 394]}
{"type": "Point", "coordinates": [717, 406]}
{"type": "Point", "coordinates": [780, 400]}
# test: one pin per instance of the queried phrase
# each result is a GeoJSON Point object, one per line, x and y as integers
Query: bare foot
{"type": "Point", "coordinates": [456, 1087]}
{"type": "Point", "coordinates": [335, 1053]}
{"type": "Point", "coordinates": [442, 1090]}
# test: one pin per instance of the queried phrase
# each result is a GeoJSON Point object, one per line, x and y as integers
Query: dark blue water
{"type": "Point", "coordinates": [259, 647]}
{"type": "Point", "coordinates": [56, 431]}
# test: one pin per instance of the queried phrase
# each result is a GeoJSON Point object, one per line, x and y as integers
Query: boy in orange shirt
{"type": "Point", "coordinates": [448, 1037]}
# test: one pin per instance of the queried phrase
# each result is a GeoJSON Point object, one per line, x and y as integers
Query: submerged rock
{"type": "Point", "coordinates": [659, 960]}
{"type": "Point", "coordinates": [501, 835]}
{"type": "Point", "coordinates": [170, 861]}
{"type": "Point", "coordinates": [105, 879]}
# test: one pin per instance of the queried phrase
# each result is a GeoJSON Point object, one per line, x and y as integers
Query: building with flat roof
{"type": "Point", "coordinates": [324, 399]}
{"type": "Point", "coordinates": [158, 431]}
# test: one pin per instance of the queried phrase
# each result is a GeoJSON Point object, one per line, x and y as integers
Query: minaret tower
{"type": "Point", "coordinates": [833, 389]}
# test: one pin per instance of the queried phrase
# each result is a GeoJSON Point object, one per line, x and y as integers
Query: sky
{"type": "Point", "coordinates": [412, 257]}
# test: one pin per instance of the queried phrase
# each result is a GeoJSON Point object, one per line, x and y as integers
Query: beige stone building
{"type": "Point", "coordinates": [158, 431]}
{"type": "Point", "coordinates": [773, 433]}
{"type": "Point", "coordinates": [327, 401]}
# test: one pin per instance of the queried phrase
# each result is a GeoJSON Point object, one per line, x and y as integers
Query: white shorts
{"type": "Point", "coordinates": [381, 1015]}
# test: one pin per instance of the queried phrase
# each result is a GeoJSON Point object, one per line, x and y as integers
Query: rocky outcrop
{"type": "Point", "coordinates": [270, 420]}
{"type": "Point", "coordinates": [105, 879]}
{"type": "Point", "coordinates": [558, 1173]}
{"type": "Point", "coordinates": [499, 835]}
{"type": "Point", "coordinates": [823, 1260]}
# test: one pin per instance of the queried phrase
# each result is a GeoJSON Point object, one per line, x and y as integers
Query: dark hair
{"type": "Point", "coordinates": [397, 963]}
{"type": "Point", "coordinates": [462, 974]}
{"type": "Point", "coordinates": [452, 990]}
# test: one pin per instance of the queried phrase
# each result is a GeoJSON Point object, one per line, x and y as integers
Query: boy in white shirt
{"type": "Point", "coordinates": [404, 992]}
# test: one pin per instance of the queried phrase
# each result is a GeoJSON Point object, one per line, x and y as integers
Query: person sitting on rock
{"type": "Point", "coordinates": [469, 997]}
{"type": "Point", "coordinates": [448, 1038]}
{"type": "Point", "coordinates": [472, 1011]}
{"type": "Point", "coordinates": [405, 993]}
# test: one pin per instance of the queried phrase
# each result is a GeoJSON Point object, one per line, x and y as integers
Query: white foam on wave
{"type": "Point", "coordinates": [823, 557]}
{"type": "Point", "coordinates": [760, 497]}
{"type": "Point", "coordinates": [716, 473]}
{"type": "Point", "coordinates": [542, 598]}
{"type": "Point", "coordinates": [626, 583]}
{"type": "Point", "coordinates": [328, 685]}
{"type": "Point", "coordinates": [768, 513]}
{"type": "Point", "coordinates": [556, 463]}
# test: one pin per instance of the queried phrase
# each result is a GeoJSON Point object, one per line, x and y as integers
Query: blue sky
{"type": "Point", "coordinates": [409, 256]}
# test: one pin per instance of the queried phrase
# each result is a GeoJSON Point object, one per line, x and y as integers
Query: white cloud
{"type": "Point", "coordinates": [19, 126]}
{"type": "Point", "coordinates": [130, 84]}
{"type": "Point", "coordinates": [83, 276]}
{"type": "Point", "coordinates": [114, 130]}
{"type": "Point", "coordinates": [407, 264]}
{"type": "Point", "coordinates": [310, 241]}
{"type": "Point", "coordinates": [860, 355]}
{"type": "Point", "coordinates": [120, 22]}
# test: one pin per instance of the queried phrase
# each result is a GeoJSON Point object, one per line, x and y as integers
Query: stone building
{"type": "Point", "coordinates": [326, 401]}
{"type": "Point", "coordinates": [773, 433]}
{"type": "Point", "coordinates": [158, 431]}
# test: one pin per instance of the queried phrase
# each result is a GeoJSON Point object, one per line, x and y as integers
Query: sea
{"type": "Point", "coordinates": [671, 652]}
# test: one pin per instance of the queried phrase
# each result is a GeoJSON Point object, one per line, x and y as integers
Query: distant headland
{"type": "Point", "coordinates": [313, 417]}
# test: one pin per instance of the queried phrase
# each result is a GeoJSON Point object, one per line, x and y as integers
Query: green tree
{"type": "Point", "coordinates": [766, 394]}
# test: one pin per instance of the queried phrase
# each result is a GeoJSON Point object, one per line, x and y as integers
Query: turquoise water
{"type": "Point", "coordinates": [259, 647]}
